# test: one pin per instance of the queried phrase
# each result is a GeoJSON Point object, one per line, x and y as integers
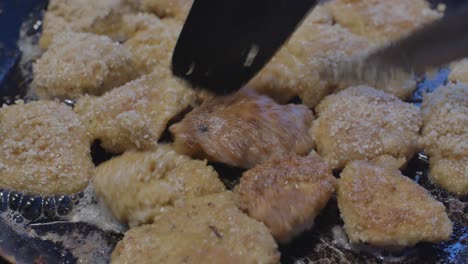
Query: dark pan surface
{"type": "Point", "coordinates": [63, 229]}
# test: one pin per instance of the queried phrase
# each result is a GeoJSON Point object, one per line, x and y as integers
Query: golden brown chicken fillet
{"type": "Point", "coordinates": [382, 207]}
{"type": "Point", "coordinates": [363, 123]}
{"type": "Point", "coordinates": [210, 229]}
{"type": "Point", "coordinates": [243, 130]}
{"type": "Point", "coordinates": [81, 63]}
{"type": "Point", "coordinates": [103, 17]}
{"type": "Point", "coordinates": [382, 21]}
{"type": "Point", "coordinates": [139, 185]}
{"type": "Point", "coordinates": [286, 194]}
{"type": "Point", "coordinates": [445, 136]}
{"type": "Point", "coordinates": [134, 115]}
{"type": "Point", "coordinates": [45, 149]}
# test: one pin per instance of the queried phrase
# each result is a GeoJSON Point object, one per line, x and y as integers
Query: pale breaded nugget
{"type": "Point", "coordinates": [178, 9]}
{"type": "Point", "coordinates": [382, 207]}
{"type": "Point", "coordinates": [134, 115]}
{"type": "Point", "coordinates": [317, 47]}
{"type": "Point", "coordinates": [286, 194]}
{"type": "Point", "coordinates": [445, 136]}
{"type": "Point", "coordinates": [363, 123]}
{"type": "Point", "coordinates": [210, 229]}
{"type": "Point", "coordinates": [295, 69]}
{"type": "Point", "coordinates": [382, 21]}
{"type": "Point", "coordinates": [81, 63]}
{"type": "Point", "coordinates": [244, 129]}
{"type": "Point", "coordinates": [103, 17]}
{"type": "Point", "coordinates": [152, 46]}
{"type": "Point", "coordinates": [45, 149]}
{"type": "Point", "coordinates": [139, 185]}
{"type": "Point", "coordinates": [459, 71]}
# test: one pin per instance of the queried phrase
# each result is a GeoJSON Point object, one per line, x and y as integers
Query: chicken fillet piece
{"type": "Point", "coordinates": [286, 194]}
{"type": "Point", "coordinates": [382, 21]}
{"type": "Point", "coordinates": [135, 115]}
{"type": "Point", "coordinates": [243, 130]}
{"type": "Point", "coordinates": [103, 17]}
{"type": "Point", "coordinates": [363, 123]}
{"type": "Point", "coordinates": [139, 185]}
{"type": "Point", "coordinates": [445, 136]}
{"type": "Point", "coordinates": [384, 208]}
{"type": "Point", "coordinates": [81, 63]}
{"type": "Point", "coordinates": [209, 229]}
{"type": "Point", "coordinates": [45, 149]}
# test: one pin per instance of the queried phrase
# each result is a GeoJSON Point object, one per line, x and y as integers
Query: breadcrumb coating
{"type": "Point", "coordinates": [45, 149]}
{"type": "Point", "coordinates": [152, 46]}
{"type": "Point", "coordinates": [81, 63]}
{"type": "Point", "coordinates": [382, 207]}
{"type": "Point", "coordinates": [137, 186]}
{"type": "Point", "coordinates": [209, 229]}
{"type": "Point", "coordinates": [445, 136]}
{"type": "Point", "coordinates": [363, 123]}
{"type": "Point", "coordinates": [295, 69]}
{"type": "Point", "coordinates": [459, 72]}
{"type": "Point", "coordinates": [134, 115]}
{"type": "Point", "coordinates": [286, 194]}
{"type": "Point", "coordinates": [244, 129]}
{"type": "Point", "coordinates": [382, 21]}
{"type": "Point", "coordinates": [177, 9]}
{"type": "Point", "coordinates": [103, 17]}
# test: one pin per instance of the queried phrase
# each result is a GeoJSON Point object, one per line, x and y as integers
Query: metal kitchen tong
{"type": "Point", "coordinates": [225, 43]}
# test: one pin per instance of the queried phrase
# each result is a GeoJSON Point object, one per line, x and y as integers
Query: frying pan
{"type": "Point", "coordinates": [71, 229]}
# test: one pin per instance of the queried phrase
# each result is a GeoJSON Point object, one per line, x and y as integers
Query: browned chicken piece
{"type": "Point", "coordinates": [363, 123]}
{"type": "Point", "coordinates": [459, 72]}
{"type": "Point", "coordinates": [209, 229]}
{"type": "Point", "coordinates": [286, 194]}
{"type": "Point", "coordinates": [81, 63]}
{"type": "Point", "coordinates": [137, 186]}
{"type": "Point", "coordinates": [244, 130]}
{"type": "Point", "coordinates": [384, 208]}
{"type": "Point", "coordinates": [103, 17]}
{"type": "Point", "coordinates": [153, 43]}
{"type": "Point", "coordinates": [134, 115]}
{"type": "Point", "coordinates": [445, 136]}
{"type": "Point", "coordinates": [177, 9]}
{"type": "Point", "coordinates": [45, 149]}
{"type": "Point", "coordinates": [382, 21]}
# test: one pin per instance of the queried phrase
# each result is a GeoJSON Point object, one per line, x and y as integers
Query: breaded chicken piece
{"type": "Point", "coordinates": [382, 21]}
{"type": "Point", "coordinates": [286, 194]}
{"type": "Point", "coordinates": [317, 47]}
{"type": "Point", "coordinates": [139, 185]}
{"type": "Point", "coordinates": [363, 123]}
{"type": "Point", "coordinates": [134, 115]}
{"type": "Point", "coordinates": [445, 136]}
{"type": "Point", "coordinates": [177, 9]}
{"type": "Point", "coordinates": [382, 207]}
{"type": "Point", "coordinates": [459, 72]}
{"type": "Point", "coordinates": [45, 149]}
{"type": "Point", "coordinates": [244, 129]}
{"type": "Point", "coordinates": [295, 69]}
{"type": "Point", "coordinates": [81, 63]}
{"type": "Point", "coordinates": [103, 17]}
{"type": "Point", "coordinates": [210, 229]}
{"type": "Point", "coordinates": [152, 46]}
